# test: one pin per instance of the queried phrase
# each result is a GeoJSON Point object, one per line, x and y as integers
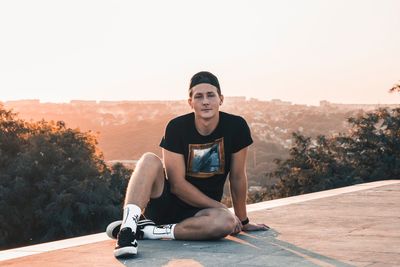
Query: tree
{"type": "Point", "coordinates": [370, 152]}
{"type": "Point", "coordinates": [395, 88]}
{"type": "Point", "coordinates": [375, 144]}
{"type": "Point", "coordinates": [54, 182]}
{"type": "Point", "coordinates": [119, 182]}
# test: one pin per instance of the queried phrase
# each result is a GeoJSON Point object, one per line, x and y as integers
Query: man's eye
{"type": "Point", "coordinates": [211, 95]}
{"type": "Point", "coordinates": [198, 96]}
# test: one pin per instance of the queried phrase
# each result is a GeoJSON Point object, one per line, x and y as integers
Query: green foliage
{"type": "Point", "coordinates": [370, 152]}
{"type": "Point", "coordinates": [54, 182]}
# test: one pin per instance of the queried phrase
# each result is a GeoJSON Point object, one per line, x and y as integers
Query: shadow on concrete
{"type": "Point", "coordinates": [245, 249]}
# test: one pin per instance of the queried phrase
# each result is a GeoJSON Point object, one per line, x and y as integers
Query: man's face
{"type": "Point", "coordinates": [205, 100]}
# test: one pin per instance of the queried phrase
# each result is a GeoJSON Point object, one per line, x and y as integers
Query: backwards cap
{"type": "Point", "coordinates": [204, 77]}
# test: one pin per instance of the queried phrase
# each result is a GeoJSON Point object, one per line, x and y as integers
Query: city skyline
{"type": "Point", "coordinates": [303, 51]}
{"type": "Point", "coordinates": [230, 99]}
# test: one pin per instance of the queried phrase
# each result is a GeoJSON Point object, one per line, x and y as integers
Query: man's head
{"type": "Point", "coordinates": [204, 77]}
{"type": "Point", "coordinates": [205, 95]}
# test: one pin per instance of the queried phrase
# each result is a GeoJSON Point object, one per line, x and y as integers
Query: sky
{"type": "Point", "coordinates": [303, 51]}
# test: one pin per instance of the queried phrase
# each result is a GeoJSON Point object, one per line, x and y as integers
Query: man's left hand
{"type": "Point", "coordinates": [255, 227]}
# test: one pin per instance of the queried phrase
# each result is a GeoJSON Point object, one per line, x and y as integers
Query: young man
{"type": "Point", "coordinates": [182, 194]}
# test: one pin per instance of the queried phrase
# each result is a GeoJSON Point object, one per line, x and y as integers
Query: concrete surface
{"type": "Point", "coordinates": [352, 226]}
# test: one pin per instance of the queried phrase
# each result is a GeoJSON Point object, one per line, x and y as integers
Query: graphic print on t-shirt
{"type": "Point", "coordinates": [206, 160]}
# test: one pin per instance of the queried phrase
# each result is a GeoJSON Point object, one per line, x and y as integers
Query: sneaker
{"type": "Point", "coordinates": [126, 243]}
{"type": "Point", "coordinates": [114, 227]}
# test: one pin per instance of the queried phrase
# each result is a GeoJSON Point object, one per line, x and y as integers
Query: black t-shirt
{"type": "Point", "coordinates": [207, 158]}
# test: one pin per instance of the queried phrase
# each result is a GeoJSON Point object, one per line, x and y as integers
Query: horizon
{"type": "Point", "coordinates": [98, 101]}
{"type": "Point", "coordinates": [303, 51]}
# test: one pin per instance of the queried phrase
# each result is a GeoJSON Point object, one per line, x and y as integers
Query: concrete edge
{"type": "Point", "coordinates": [89, 239]}
{"type": "Point", "coordinates": [50, 246]}
{"type": "Point", "coordinates": [317, 195]}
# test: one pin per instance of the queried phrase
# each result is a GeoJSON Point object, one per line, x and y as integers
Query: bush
{"type": "Point", "coordinates": [370, 152]}
{"type": "Point", "coordinates": [54, 183]}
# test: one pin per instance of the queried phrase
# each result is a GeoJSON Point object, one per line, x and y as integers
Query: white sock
{"type": "Point", "coordinates": [131, 216]}
{"type": "Point", "coordinates": [159, 231]}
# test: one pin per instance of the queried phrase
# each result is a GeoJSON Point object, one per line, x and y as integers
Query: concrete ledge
{"type": "Point", "coordinates": [317, 195]}
{"type": "Point", "coordinates": [252, 209]}
{"type": "Point", "coordinates": [50, 246]}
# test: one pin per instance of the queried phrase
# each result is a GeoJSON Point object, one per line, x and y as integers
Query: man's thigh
{"type": "Point", "coordinates": [214, 212]}
{"type": "Point", "coordinates": [167, 208]}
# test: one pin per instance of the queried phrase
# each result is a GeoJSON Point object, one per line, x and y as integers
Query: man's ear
{"type": "Point", "coordinates": [190, 102]}
{"type": "Point", "coordinates": [221, 97]}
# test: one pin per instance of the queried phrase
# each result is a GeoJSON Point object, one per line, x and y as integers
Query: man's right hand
{"type": "Point", "coordinates": [238, 226]}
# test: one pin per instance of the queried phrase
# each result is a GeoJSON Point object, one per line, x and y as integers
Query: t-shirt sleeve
{"type": "Point", "coordinates": [172, 140]}
{"type": "Point", "coordinates": [241, 135]}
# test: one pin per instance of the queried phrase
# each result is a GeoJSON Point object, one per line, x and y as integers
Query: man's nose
{"type": "Point", "coordinates": [206, 100]}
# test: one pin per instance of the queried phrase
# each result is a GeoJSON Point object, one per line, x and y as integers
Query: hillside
{"type": "Point", "coordinates": [127, 129]}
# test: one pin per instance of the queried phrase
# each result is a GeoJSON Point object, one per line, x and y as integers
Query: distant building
{"type": "Point", "coordinates": [234, 99]}
{"type": "Point", "coordinates": [111, 103]}
{"type": "Point", "coordinates": [83, 102]}
{"type": "Point", "coordinates": [280, 102]}
{"type": "Point", "coordinates": [366, 107]}
{"type": "Point", "coordinates": [255, 188]}
{"type": "Point", "coordinates": [324, 103]}
{"type": "Point", "coordinates": [23, 102]}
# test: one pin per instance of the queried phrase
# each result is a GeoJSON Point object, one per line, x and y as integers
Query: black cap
{"type": "Point", "coordinates": [204, 77]}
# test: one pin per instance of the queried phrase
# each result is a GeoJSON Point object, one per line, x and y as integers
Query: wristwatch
{"type": "Point", "coordinates": [245, 221]}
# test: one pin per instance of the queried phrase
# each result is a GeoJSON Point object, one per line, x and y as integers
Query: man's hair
{"type": "Point", "coordinates": [204, 77]}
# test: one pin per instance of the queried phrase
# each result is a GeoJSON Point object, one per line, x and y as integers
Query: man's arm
{"type": "Point", "coordinates": [238, 186]}
{"type": "Point", "coordinates": [175, 167]}
{"type": "Point", "coordinates": [238, 183]}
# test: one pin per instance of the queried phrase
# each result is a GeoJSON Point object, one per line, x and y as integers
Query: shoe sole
{"type": "Point", "coordinates": [114, 227]}
{"type": "Point", "coordinates": [125, 252]}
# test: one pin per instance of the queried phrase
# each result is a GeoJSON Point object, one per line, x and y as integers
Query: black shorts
{"type": "Point", "coordinates": [167, 208]}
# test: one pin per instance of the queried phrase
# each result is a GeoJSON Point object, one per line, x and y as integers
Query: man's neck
{"type": "Point", "coordinates": [206, 126]}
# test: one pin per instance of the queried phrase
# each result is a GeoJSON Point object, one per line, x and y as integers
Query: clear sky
{"type": "Point", "coordinates": [302, 51]}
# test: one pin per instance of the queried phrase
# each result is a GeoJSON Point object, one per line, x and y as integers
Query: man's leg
{"type": "Point", "coordinates": [204, 225]}
{"type": "Point", "coordinates": [207, 224]}
{"type": "Point", "coordinates": [146, 181]}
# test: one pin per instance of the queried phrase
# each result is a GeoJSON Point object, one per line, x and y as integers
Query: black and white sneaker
{"type": "Point", "coordinates": [126, 243]}
{"type": "Point", "coordinates": [114, 227]}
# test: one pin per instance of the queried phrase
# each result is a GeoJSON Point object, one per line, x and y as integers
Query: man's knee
{"type": "Point", "coordinates": [151, 160]}
{"type": "Point", "coordinates": [223, 223]}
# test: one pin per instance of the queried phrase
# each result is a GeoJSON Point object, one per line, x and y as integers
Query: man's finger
{"type": "Point", "coordinates": [263, 226]}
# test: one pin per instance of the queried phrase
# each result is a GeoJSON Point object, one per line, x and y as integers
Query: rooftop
{"type": "Point", "coordinates": [351, 226]}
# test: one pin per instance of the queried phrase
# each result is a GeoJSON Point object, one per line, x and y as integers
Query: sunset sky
{"type": "Point", "coordinates": [302, 51]}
